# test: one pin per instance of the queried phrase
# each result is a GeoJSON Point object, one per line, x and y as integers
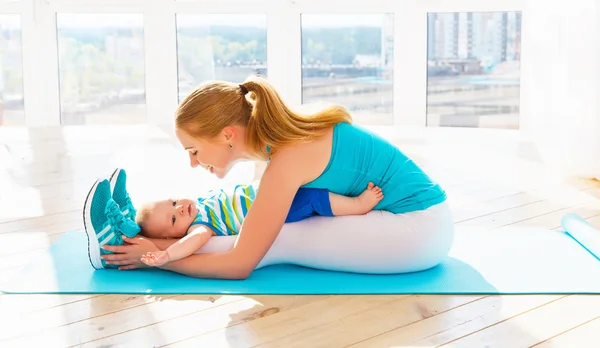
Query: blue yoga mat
{"type": "Point", "coordinates": [517, 261]}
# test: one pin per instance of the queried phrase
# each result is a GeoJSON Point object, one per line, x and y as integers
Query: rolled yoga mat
{"type": "Point", "coordinates": [508, 261]}
{"type": "Point", "coordinates": [584, 233]}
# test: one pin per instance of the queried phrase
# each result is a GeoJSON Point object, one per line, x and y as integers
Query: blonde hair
{"type": "Point", "coordinates": [142, 215]}
{"type": "Point", "coordinates": [268, 120]}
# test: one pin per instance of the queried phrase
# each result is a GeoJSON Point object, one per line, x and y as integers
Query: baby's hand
{"type": "Point", "coordinates": [156, 258]}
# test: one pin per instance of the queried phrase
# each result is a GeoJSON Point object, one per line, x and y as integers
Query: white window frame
{"type": "Point", "coordinates": [283, 46]}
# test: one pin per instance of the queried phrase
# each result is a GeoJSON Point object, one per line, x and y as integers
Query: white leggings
{"type": "Point", "coordinates": [378, 242]}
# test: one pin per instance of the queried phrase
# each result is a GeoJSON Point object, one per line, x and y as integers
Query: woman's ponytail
{"type": "Point", "coordinates": [272, 123]}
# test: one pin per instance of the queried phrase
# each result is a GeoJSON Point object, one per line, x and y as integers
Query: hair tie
{"type": "Point", "coordinates": [244, 89]}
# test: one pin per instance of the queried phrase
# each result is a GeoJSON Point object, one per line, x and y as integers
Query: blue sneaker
{"type": "Point", "coordinates": [118, 186]}
{"type": "Point", "coordinates": [104, 223]}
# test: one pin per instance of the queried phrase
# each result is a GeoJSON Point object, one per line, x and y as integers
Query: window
{"type": "Point", "coordinates": [101, 68]}
{"type": "Point", "coordinates": [227, 47]}
{"type": "Point", "coordinates": [11, 71]}
{"type": "Point", "coordinates": [473, 69]}
{"type": "Point", "coordinates": [348, 59]}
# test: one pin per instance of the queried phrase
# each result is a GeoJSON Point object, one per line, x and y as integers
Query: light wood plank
{"type": "Point", "coordinates": [293, 320]}
{"type": "Point", "coordinates": [339, 331]}
{"type": "Point", "coordinates": [528, 211]}
{"type": "Point", "coordinates": [552, 220]}
{"type": "Point", "coordinates": [73, 312]}
{"type": "Point", "coordinates": [448, 326]}
{"type": "Point", "coordinates": [521, 200]}
{"type": "Point", "coordinates": [584, 335]}
{"type": "Point", "coordinates": [121, 321]}
{"type": "Point", "coordinates": [20, 305]}
{"type": "Point", "coordinates": [355, 328]}
{"type": "Point", "coordinates": [250, 309]}
{"type": "Point", "coordinates": [41, 222]}
{"type": "Point", "coordinates": [535, 326]}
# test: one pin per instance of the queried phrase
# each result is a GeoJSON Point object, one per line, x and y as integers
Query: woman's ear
{"type": "Point", "coordinates": [228, 133]}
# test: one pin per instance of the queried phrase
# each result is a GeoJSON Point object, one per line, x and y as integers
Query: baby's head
{"type": "Point", "coordinates": [169, 218]}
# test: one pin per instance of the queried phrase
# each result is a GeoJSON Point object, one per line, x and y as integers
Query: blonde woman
{"type": "Point", "coordinates": [221, 123]}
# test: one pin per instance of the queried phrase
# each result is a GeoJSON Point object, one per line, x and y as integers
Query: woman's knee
{"type": "Point", "coordinates": [414, 241]}
{"type": "Point", "coordinates": [378, 242]}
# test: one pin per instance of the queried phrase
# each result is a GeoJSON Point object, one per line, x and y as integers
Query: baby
{"type": "Point", "coordinates": [221, 213]}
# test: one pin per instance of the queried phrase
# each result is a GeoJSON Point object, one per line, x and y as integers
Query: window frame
{"type": "Point", "coordinates": [39, 39]}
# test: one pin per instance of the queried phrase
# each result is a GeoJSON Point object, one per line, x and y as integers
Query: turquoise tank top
{"type": "Point", "coordinates": [359, 156]}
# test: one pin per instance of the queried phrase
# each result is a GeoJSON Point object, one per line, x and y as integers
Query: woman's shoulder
{"type": "Point", "coordinates": [306, 159]}
{"type": "Point", "coordinates": [303, 146]}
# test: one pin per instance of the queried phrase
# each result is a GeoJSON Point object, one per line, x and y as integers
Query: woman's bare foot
{"type": "Point", "coordinates": [362, 204]}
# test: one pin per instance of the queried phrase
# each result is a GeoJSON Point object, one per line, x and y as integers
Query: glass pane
{"type": "Point", "coordinates": [11, 71]}
{"type": "Point", "coordinates": [473, 69]}
{"type": "Point", "coordinates": [348, 60]}
{"type": "Point", "coordinates": [101, 65]}
{"type": "Point", "coordinates": [226, 47]}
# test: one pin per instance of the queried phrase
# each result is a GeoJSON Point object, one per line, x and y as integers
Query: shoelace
{"type": "Point", "coordinates": [113, 214]}
{"type": "Point", "coordinates": [129, 206]}
{"type": "Point", "coordinates": [118, 220]}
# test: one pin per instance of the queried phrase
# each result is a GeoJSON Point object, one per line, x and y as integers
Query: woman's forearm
{"type": "Point", "coordinates": [212, 265]}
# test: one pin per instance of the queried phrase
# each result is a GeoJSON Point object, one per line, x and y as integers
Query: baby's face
{"type": "Point", "coordinates": [170, 218]}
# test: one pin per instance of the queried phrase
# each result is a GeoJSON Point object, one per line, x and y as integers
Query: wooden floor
{"type": "Point", "coordinates": [493, 180]}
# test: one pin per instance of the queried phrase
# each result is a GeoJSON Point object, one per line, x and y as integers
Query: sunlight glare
{"type": "Point", "coordinates": [18, 202]}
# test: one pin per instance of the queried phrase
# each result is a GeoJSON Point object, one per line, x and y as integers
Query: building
{"type": "Point", "coordinates": [490, 37]}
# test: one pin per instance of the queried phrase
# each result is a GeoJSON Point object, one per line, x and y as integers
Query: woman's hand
{"type": "Point", "coordinates": [129, 255]}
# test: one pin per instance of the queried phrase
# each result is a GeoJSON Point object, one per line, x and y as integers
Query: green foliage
{"type": "Point", "coordinates": [94, 62]}
{"type": "Point", "coordinates": [339, 45]}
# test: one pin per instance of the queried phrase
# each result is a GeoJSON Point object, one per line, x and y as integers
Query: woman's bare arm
{"type": "Point", "coordinates": [280, 182]}
{"type": "Point", "coordinates": [259, 230]}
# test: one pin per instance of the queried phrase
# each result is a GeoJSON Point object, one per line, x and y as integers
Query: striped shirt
{"type": "Point", "coordinates": [225, 211]}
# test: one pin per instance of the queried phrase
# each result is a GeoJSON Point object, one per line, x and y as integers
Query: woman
{"type": "Point", "coordinates": [222, 123]}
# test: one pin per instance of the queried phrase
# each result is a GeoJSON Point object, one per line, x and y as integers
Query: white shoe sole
{"type": "Point", "coordinates": [93, 245]}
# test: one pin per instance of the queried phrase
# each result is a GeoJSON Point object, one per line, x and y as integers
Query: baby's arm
{"type": "Point", "coordinates": [186, 246]}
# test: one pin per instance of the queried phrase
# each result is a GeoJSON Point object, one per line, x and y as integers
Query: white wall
{"type": "Point", "coordinates": [561, 83]}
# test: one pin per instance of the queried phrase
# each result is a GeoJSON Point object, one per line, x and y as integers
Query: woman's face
{"type": "Point", "coordinates": [214, 155]}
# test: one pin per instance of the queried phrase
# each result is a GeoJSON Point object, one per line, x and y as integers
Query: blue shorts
{"type": "Point", "coordinates": [309, 202]}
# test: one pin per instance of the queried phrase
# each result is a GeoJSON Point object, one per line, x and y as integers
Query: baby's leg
{"type": "Point", "coordinates": [309, 202]}
{"type": "Point", "coordinates": [362, 204]}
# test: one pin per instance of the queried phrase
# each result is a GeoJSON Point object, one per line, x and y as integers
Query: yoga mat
{"type": "Point", "coordinates": [584, 233]}
{"type": "Point", "coordinates": [513, 261]}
